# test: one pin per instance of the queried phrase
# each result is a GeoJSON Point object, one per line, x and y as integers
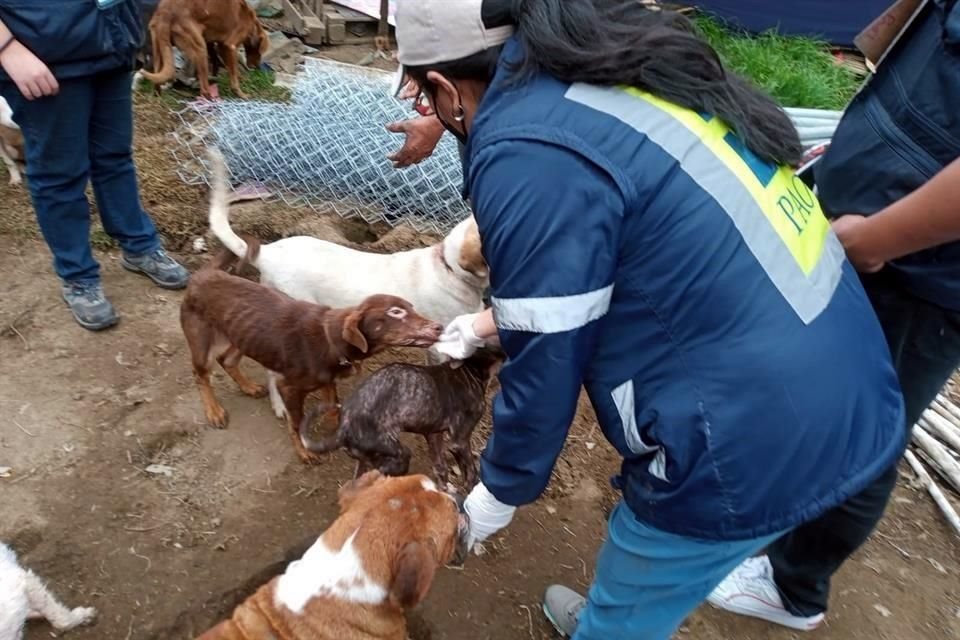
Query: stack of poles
{"type": "Point", "coordinates": [936, 441]}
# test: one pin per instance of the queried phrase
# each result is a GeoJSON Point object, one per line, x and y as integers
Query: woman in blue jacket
{"type": "Point", "coordinates": [66, 73]}
{"type": "Point", "coordinates": [647, 240]}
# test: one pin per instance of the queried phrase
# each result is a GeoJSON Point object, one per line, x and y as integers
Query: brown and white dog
{"type": "Point", "coordinates": [441, 282]}
{"type": "Point", "coordinates": [307, 346]}
{"type": "Point", "coordinates": [11, 143]}
{"type": "Point", "coordinates": [378, 559]}
{"type": "Point", "coordinates": [191, 24]}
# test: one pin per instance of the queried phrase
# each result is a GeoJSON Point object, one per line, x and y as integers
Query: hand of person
{"type": "Point", "coordinates": [423, 134]}
{"type": "Point", "coordinates": [410, 90]}
{"type": "Point", "coordinates": [459, 340]}
{"type": "Point", "coordinates": [487, 514]}
{"type": "Point", "coordinates": [849, 230]}
{"type": "Point", "coordinates": [32, 77]}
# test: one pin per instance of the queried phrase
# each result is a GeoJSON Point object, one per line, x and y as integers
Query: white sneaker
{"type": "Point", "coordinates": [749, 590]}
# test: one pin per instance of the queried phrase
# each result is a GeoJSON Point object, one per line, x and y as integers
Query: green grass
{"type": "Point", "coordinates": [257, 84]}
{"type": "Point", "coordinates": [796, 71]}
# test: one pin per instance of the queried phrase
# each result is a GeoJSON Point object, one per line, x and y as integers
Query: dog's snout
{"type": "Point", "coordinates": [435, 328]}
{"type": "Point", "coordinates": [462, 549]}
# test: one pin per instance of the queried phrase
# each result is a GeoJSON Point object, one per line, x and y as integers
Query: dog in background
{"type": "Point", "coordinates": [441, 282]}
{"type": "Point", "coordinates": [11, 143]}
{"type": "Point", "coordinates": [191, 25]}
{"type": "Point", "coordinates": [23, 596]}
{"type": "Point", "coordinates": [307, 346]}
{"type": "Point", "coordinates": [403, 398]}
{"type": "Point", "coordinates": [377, 560]}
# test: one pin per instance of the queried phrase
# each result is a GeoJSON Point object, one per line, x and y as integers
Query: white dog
{"type": "Point", "coordinates": [441, 282]}
{"type": "Point", "coordinates": [23, 595]}
{"type": "Point", "coordinates": [11, 142]}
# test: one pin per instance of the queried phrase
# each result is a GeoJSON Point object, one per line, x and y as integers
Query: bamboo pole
{"type": "Point", "coordinates": [942, 428]}
{"type": "Point", "coordinates": [939, 454]}
{"type": "Point", "coordinates": [938, 497]}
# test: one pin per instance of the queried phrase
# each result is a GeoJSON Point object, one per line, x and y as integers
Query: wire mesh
{"type": "Point", "coordinates": [326, 149]}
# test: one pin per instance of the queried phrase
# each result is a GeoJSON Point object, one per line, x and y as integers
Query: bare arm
{"type": "Point", "coordinates": [928, 217]}
{"type": "Point", "coordinates": [484, 325]}
{"type": "Point", "coordinates": [32, 77]}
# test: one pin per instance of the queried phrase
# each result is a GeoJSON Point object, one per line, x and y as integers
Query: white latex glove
{"type": "Point", "coordinates": [487, 514]}
{"type": "Point", "coordinates": [459, 341]}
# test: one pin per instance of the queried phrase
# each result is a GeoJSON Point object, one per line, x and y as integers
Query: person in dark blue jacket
{"type": "Point", "coordinates": [66, 74]}
{"type": "Point", "coordinates": [647, 240]}
{"type": "Point", "coordinates": [891, 177]}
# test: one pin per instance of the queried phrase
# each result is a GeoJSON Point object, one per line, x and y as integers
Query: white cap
{"type": "Point", "coordinates": [432, 31]}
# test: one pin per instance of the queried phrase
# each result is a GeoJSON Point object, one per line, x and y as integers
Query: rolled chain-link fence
{"type": "Point", "coordinates": [327, 149]}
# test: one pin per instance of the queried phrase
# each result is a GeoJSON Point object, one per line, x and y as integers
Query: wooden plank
{"type": "Point", "coordinates": [347, 26]}
{"type": "Point", "coordinates": [310, 27]}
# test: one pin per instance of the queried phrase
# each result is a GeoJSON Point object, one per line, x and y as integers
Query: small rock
{"type": "Point", "coordinates": [61, 353]}
{"type": "Point", "coordinates": [479, 549]}
{"type": "Point", "coordinates": [936, 565]}
{"type": "Point", "coordinates": [78, 396]}
{"type": "Point", "coordinates": [68, 448]}
{"type": "Point", "coordinates": [160, 470]}
{"type": "Point", "coordinates": [6, 472]}
{"type": "Point", "coordinates": [199, 244]}
{"type": "Point", "coordinates": [177, 545]}
{"type": "Point", "coordinates": [882, 610]}
{"type": "Point", "coordinates": [216, 522]}
{"type": "Point", "coordinates": [591, 446]}
{"type": "Point", "coordinates": [552, 510]}
{"type": "Point", "coordinates": [127, 434]}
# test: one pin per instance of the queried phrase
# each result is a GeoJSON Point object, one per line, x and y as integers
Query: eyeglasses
{"type": "Point", "coordinates": [421, 104]}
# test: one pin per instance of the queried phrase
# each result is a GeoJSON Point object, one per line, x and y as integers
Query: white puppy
{"type": "Point", "coordinates": [441, 282]}
{"type": "Point", "coordinates": [11, 142]}
{"type": "Point", "coordinates": [23, 595]}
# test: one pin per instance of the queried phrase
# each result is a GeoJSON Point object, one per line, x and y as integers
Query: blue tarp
{"type": "Point", "coordinates": [836, 21]}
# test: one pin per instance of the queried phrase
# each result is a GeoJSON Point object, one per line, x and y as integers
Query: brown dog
{"type": "Point", "coordinates": [191, 24]}
{"type": "Point", "coordinates": [225, 318]}
{"type": "Point", "coordinates": [378, 559]}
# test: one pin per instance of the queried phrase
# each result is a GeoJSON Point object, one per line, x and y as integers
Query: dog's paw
{"type": "Point", "coordinates": [255, 390]}
{"type": "Point", "coordinates": [309, 458]}
{"type": "Point", "coordinates": [78, 617]}
{"type": "Point", "coordinates": [279, 410]}
{"type": "Point", "coordinates": [217, 417]}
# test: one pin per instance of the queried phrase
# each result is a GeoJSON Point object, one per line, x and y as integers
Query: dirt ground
{"type": "Point", "coordinates": [82, 416]}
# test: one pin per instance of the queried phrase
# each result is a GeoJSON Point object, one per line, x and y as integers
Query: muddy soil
{"type": "Point", "coordinates": [164, 556]}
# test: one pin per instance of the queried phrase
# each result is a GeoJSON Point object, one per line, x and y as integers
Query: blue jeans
{"type": "Point", "coordinates": [83, 134]}
{"type": "Point", "coordinates": [648, 581]}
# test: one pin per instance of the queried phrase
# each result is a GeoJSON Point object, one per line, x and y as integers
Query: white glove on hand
{"type": "Point", "coordinates": [459, 341]}
{"type": "Point", "coordinates": [487, 514]}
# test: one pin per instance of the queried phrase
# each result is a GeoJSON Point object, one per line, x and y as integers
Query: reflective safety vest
{"type": "Point", "coordinates": [697, 293]}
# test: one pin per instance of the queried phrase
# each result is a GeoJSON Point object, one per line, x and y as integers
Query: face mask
{"type": "Point", "coordinates": [421, 104]}
{"type": "Point", "coordinates": [456, 133]}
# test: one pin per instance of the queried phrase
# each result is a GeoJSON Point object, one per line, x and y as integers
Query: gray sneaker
{"type": "Point", "coordinates": [159, 267]}
{"type": "Point", "coordinates": [89, 306]}
{"type": "Point", "coordinates": [562, 606]}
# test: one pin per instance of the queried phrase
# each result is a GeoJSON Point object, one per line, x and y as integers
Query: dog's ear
{"type": "Point", "coordinates": [413, 572]}
{"type": "Point", "coordinates": [352, 489]}
{"type": "Point", "coordinates": [351, 331]}
{"type": "Point", "coordinates": [471, 254]}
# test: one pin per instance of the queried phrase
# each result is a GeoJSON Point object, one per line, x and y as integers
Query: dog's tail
{"type": "Point", "coordinates": [326, 444]}
{"type": "Point", "coordinates": [220, 211]}
{"type": "Point", "coordinates": [164, 68]}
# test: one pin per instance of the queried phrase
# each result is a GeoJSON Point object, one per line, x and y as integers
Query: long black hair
{"type": "Point", "coordinates": [623, 42]}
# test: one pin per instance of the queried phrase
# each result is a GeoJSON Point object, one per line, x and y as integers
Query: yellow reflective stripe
{"type": "Point", "coordinates": [786, 201]}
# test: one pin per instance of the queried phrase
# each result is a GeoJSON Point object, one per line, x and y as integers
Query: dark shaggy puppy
{"type": "Point", "coordinates": [429, 400]}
